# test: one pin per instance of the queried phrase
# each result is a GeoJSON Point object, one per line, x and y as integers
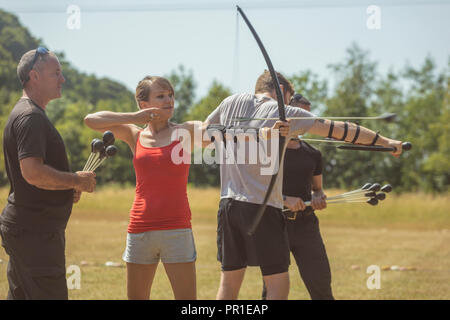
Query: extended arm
{"type": "Point", "coordinates": [353, 133]}
{"type": "Point", "coordinates": [122, 124]}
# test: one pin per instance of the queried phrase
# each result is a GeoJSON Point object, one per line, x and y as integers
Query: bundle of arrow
{"type": "Point", "coordinates": [368, 193]}
{"type": "Point", "coordinates": [100, 151]}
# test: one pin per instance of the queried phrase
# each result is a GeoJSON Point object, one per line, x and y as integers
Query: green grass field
{"type": "Point", "coordinates": [410, 230]}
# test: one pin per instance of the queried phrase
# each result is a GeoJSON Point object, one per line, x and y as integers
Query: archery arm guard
{"type": "Point", "coordinates": [350, 132]}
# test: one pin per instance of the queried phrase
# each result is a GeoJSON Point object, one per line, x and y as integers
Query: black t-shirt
{"type": "Point", "coordinates": [300, 165]}
{"type": "Point", "coordinates": [29, 133]}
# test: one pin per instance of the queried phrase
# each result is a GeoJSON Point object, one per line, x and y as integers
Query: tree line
{"type": "Point", "coordinates": [419, 95]}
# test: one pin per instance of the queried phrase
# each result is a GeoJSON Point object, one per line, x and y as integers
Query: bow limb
{"type": "Point", "coordinates": [273, 180]}
{"type": "Point", "coordinates": [282, 117]}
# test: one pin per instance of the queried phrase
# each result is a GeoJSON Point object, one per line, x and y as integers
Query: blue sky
{"type": "Point", "coordinates": [126, 40]}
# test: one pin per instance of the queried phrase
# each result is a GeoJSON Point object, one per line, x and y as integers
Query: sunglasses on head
{"type": "Point", "coordinates": [40, 51]}
{"type": "Point", "coordinates": [296, 97]}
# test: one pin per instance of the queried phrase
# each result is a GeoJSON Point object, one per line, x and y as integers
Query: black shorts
{"type": "Point", "coordinates": [267, 248]}
{"type": "Point", "coordinates": [36, 268]}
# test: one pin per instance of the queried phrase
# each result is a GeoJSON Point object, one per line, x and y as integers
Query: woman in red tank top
{"type": "Point", "coordinates": [160, 218]}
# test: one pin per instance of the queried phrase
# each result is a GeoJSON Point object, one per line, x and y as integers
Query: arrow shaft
{"type": "Point", "coordinates": [314, 118]}
{"type": "Point", "coordinates": [88, 161]}
{"type": "Point", "coordinates": [349, 195]}
{"type": "Point", "coordinates": [362, 200]}
{"type": "Point", "coordinates": [366, 148]}
{"type": "Point", "coordinates": [98, 164]}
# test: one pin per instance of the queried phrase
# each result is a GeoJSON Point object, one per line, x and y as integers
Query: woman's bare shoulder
{"type": "Point", "coordinates": [189, 125]}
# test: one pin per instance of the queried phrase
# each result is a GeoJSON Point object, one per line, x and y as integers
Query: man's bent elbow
{"type": "Point", "coordinates": [31, 169]}
{"type": "Point", "coordinates": [32, 178]}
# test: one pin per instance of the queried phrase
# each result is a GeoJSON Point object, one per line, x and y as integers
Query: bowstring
{"type": "Point", "coordinates": [235, 74]}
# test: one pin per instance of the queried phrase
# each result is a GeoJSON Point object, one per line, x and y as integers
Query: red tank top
{"type": "Point", "coordinates": [161, 201]}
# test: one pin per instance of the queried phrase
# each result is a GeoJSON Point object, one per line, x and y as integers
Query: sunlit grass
{"type": "Point", "coordinates": [404, 230]}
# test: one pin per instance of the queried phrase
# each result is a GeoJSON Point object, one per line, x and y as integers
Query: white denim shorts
{"type": "Point", "coordinates": [169, 246]}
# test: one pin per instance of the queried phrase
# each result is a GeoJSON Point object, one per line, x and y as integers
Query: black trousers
{"type": "Point", "coordinates": [36, 268]}
{"type": "Point", "coordinates": [308, 249]}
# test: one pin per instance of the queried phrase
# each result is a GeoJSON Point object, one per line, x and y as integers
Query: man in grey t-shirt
{"type": "Point", "coordinates": [243, 186]}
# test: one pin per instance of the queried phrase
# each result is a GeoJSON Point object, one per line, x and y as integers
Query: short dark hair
{"type": "Point", "coordinates": [265, 84]}
{"type": "Point", "coordinates": [26, 64]}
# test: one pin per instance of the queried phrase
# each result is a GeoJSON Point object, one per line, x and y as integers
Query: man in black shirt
{"type": "Point", "coordinates": [43, 189]}
{"type": "Point", "coordinates": [303, 171]}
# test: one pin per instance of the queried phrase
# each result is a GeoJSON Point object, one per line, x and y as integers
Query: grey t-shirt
{"type": "Point", "coordinates": [249, 181]}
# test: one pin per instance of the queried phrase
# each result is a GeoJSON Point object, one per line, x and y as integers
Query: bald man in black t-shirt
{"type": "Point", "coordinates": [32, 225]}
{"type": "Point", "coordinates": [303, 174]}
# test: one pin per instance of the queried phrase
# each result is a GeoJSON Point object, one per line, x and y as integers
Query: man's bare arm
{"type": "Point", "coordinates": [318, 196]}
{"type": "Point", "coordinates": [353, 133]}
{"type": "Point", "coordinates": [36, 173]}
